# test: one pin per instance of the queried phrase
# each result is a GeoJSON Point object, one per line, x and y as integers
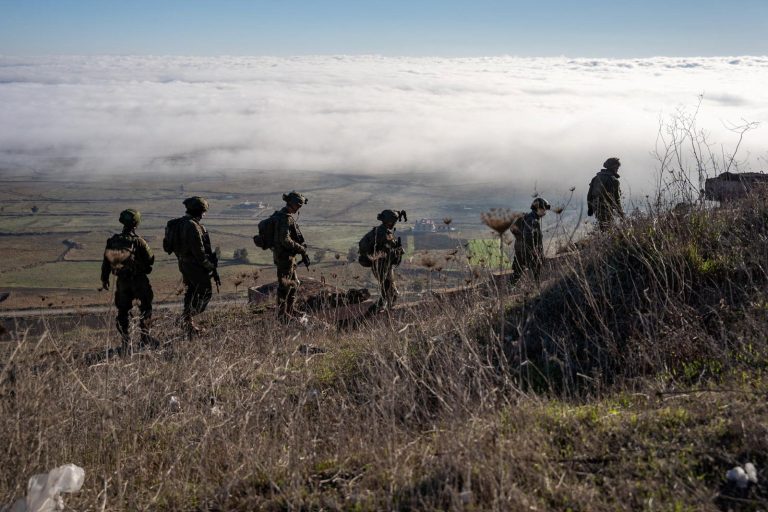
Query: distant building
{"type": "Point", "coordinates": [250, 205]}
{"type": "Point", "coordinates": [430, 226]}
{"type": "Point", "coordinates": [429, 234]}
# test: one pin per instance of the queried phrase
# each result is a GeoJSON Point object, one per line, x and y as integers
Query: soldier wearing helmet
{"type": "Point", "coordinates": [382, 251]}
{"type": "Point", "coordinates": [529, 242]}
{"type": "Point", "coordinates": [604, 196]}
{"type": "Point", "coordinates": [130, 259]}
{"type": "Point", "coordinates": [289, 243]}
{"type": "Point", "coordinates": [197, 262]}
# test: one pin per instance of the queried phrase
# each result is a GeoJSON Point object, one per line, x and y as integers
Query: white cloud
{"type": "Point", "coordinates": [553, 120]}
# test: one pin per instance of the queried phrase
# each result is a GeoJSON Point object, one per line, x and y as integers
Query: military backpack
{"type": "Point", "coordinates": [265, 239]}
{"type": "Point", "coordinates": [365, 248]}
{"type": "Point", "coordinates": [172, 238]}
{"type": "Point", "coordinates": [121, 254]}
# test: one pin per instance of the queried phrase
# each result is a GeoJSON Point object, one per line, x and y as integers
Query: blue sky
{"type": "Point", "coordinates": [586, 28]}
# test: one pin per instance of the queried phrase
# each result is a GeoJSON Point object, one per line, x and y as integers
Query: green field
{"type": "Point", "coordinates": [40, 212]}
{"type": "Point", "coordinates": [485, 253]}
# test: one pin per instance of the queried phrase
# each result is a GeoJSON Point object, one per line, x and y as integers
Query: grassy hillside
{"type": "Point", "coordinates": [634, 379]}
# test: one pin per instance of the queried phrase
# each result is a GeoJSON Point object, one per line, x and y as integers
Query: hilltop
{"type": "Point", "coordinates": [634, 378]}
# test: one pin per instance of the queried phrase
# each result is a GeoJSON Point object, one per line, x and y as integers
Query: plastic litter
{"type": "Point", "coordinates": [44, 490]}
{"type": "Point", "coordinates": [174, 404]}
{"type": "Point", "coordinates": [742, 477]}
{"type": "Point", "coordinates": [751, 472]}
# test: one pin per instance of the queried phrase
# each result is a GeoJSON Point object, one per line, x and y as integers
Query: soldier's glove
{"type": "Point", "coordinates": [105, 285]}
{"type": "Point", "coordinates": [305, 260]}
{"type": "Point", "coordinates": [207, 265]}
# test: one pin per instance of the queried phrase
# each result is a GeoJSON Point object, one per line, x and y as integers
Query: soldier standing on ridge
{"type": "Point", "coordinates": [129, 257]}
{"type": "Point", "coordinates": [189, 240]}
{"type": "Point", "coordinates": [529, 242]}
{"type": "Point", "coordinates": [380, 250]}
{"type": "Point", "coordinates": [288, 243]}
{"type": "Point", "coordinates": [604, 196]}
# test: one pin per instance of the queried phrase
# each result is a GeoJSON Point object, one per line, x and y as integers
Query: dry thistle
{"type": "Point", "coordinates": [558, 210]}
{"type": "Point", "coordinates": [499, 219]}
{"type": "Point", "coordinates": [572, 189]}
{"type": "Point", "coordinates": [447, 221]}
{"type": "Point", "coordinates": [337, 256]}
{"type": "Point", "coordinates": [428, 261]}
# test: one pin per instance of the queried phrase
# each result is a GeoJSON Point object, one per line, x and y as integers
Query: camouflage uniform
{"type": "Point", "coordinates": [289, 243]}
{"type": "Point", "coordinates": [604, 196]}
{"type": "Point", "coordinates": [529, 246]}
{"type": "Point", "coordinates": [196, 263]}
{"type": "Point", "coordinates": [130, 258]}
{"type": "Point", "coordinates": [385, 255]}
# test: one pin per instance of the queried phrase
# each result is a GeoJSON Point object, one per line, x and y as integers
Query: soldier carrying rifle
{"type": "Point", "coordinates": [129, 258]}
{"type": "Point", "coordinates": [288, 243]}
{"type": "Point", "coordinates": [188, 239]}
{"type": "Point", "coordinates": [382, 252]}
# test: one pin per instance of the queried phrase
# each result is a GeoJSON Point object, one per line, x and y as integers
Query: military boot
{"type": "Point", "coordinates": [190, 327]}
{"type": "Point", "coordinates": [147, 340]}
{"type": "Point", "coordinates": [123, 329]}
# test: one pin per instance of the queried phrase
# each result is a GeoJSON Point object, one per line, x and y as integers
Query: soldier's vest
{"type": "Point", "coordinates": [366, 247]}
{"type": "Point", "coordinates": [271, 229]}
{"type": "Point", "coordinates": [121, 255]}
{"type": "Point", "coordinates": [597, 195]}
{"type": "Point", "coordinates": [528, 232]}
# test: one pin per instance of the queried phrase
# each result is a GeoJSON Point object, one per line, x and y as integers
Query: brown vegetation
{"type": "Point", "coordinates": [634, 380]}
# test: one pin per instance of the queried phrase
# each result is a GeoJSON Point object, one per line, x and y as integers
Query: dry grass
{"type": "Point", "coordinates": [639, 404]}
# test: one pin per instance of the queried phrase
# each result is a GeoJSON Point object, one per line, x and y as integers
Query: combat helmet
{"type": "Point", "coordinates": [295, 198]}
{"type": "Point", "coordinates": [540, 202]}
{"type": "Point", "coordinates": [392, 216]}
{"type": "Point", "coordinates": [130, 218]}
{"type": "Point", "coordinates": [196, 204]}
{"type": "Point", "coordinates": [612, 162]}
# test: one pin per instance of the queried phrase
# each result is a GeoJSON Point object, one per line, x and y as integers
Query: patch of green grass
{"type": "Point", "coordinates": [485, 253]}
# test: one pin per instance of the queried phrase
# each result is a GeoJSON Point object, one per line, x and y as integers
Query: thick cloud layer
{"type": "Point", "coordinates": [550, 120]}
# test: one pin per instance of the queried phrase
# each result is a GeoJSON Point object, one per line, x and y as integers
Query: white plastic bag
{"type": "Point", "coordinates": [44, 490]}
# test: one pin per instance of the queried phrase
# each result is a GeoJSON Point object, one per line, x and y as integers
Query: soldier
{"type": "Point", "coordinates": [604, 196]}
{"type": "Point", "coordinates": [288, 243]}
{"type": "Point", "coordinates": [197, 261]}
{"type": "Point", "coordinates": [380, 250]}
{"type": "Point", "coordinates": [529, 242]}
{"type": "Point", "coordinates": [129, 257]}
